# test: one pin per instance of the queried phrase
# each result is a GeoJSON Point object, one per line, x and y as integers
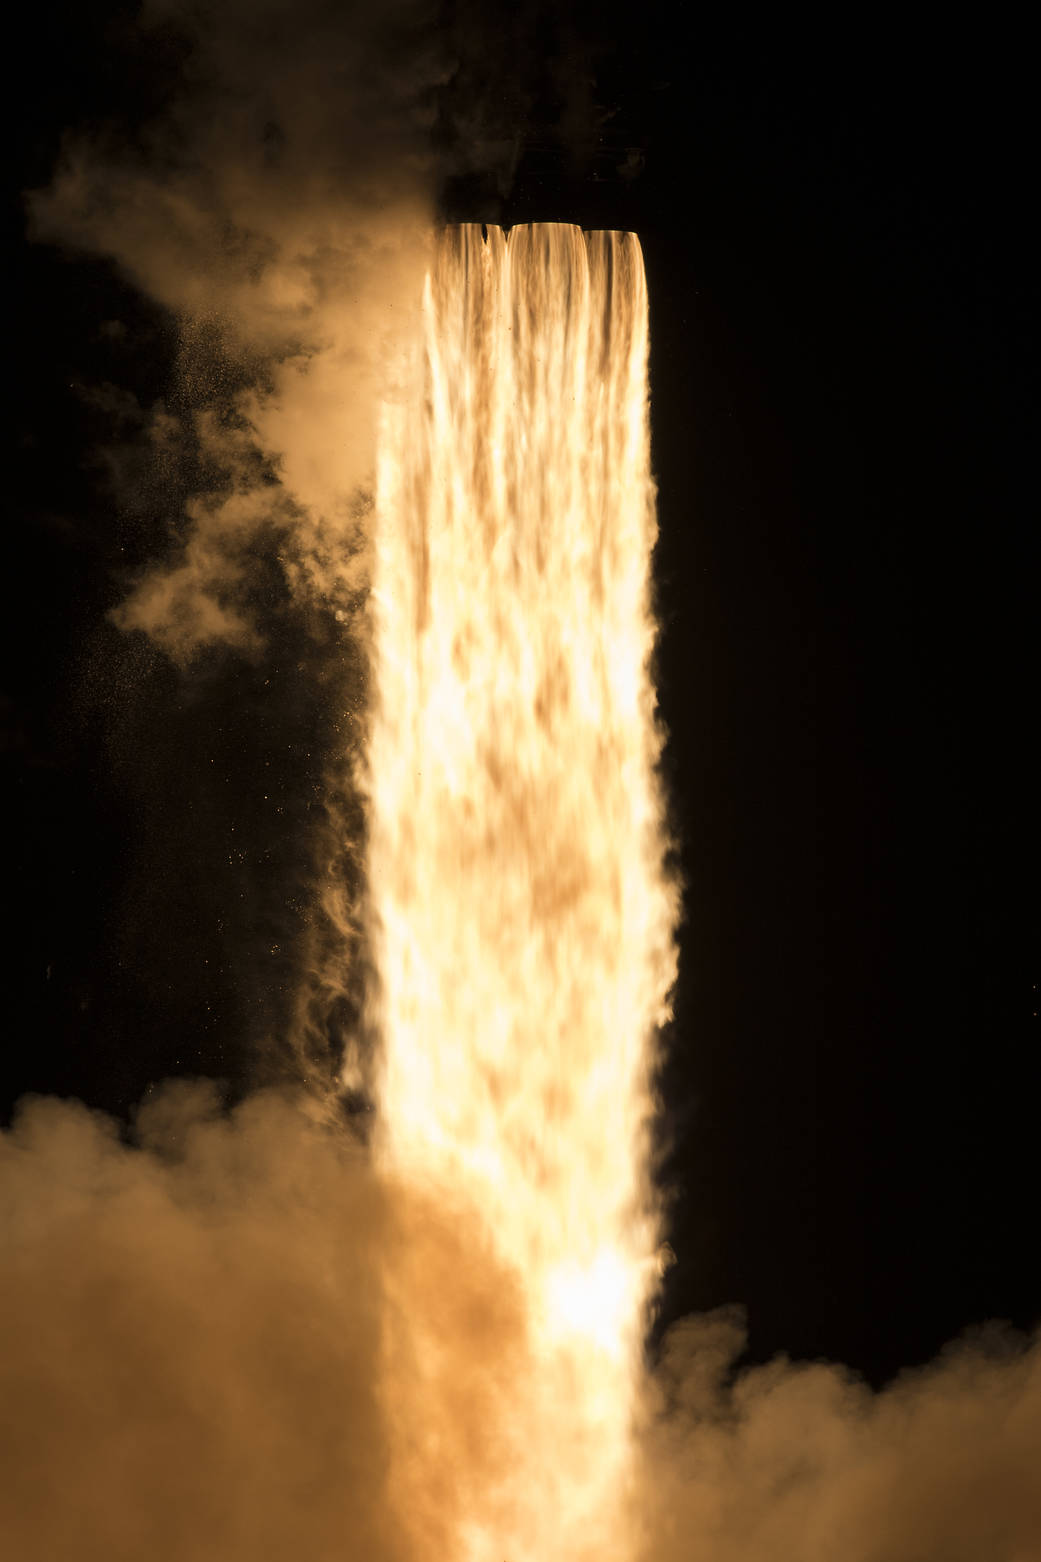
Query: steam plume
{"type": "Point", "coordinates": [278, 208]}
{"type": "Point", "coordinates": [190, 1328]}
{"type": "Point", "coordinates": [189, 1373]}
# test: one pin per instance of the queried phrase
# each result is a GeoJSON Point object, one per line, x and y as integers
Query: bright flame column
{"type": "Point", "coordinates": [521, 916]}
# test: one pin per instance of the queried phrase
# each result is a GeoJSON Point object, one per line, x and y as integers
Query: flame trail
{"type": "Point", "coordinates": [521, 915]}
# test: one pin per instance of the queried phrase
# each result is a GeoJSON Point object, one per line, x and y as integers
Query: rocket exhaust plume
{"type": "Point", "coordinates": [521, 916]}
{"type": "Point", "coordinates": [248, 1333]}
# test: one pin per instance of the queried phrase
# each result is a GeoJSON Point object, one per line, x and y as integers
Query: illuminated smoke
{"type": "Point", "coordinates": [241, 1337]}
{"type": "Point", "coordinates": [522, 919]}
{"type": "Point", "coordinates": [191, 1371]}
{"type": "Point", "coordinates": [278, 208]}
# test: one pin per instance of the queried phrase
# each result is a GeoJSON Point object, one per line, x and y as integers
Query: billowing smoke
{"type": "Point", "coordinates": [192, 1363]}
{"type": "Point", "coordinates": [802, 1462]}
{"type": "Point", "coordinates": [278, 207]}
{"type": "Point", "coordinates": [194, 1367]}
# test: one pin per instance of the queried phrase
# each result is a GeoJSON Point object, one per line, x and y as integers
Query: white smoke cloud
{"type": "Point", "coordinates": [193, 1362]}
{"type": "Point", "coordinates": [802, 1462]}
{"type": "Point", "coordinates": [199, 1364]}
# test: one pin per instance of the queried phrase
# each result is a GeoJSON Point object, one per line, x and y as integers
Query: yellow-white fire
{"type": "Point", "coordinates": [521, 915]}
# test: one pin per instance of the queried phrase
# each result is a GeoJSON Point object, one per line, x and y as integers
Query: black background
{"type": "Point", "coordinates": [838, 243]}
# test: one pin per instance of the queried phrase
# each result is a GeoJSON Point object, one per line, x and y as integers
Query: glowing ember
{"type": "Point", "coordinates": [522, 920]}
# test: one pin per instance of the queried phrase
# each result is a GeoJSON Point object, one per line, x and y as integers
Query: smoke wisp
{"type": "Point", "coordinates": [278, 207]}
{"type": "Point", "coordinates": [275, 202]}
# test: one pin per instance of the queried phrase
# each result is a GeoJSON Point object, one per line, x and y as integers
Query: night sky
{"type": "Point", "coordinates": [836, 231]}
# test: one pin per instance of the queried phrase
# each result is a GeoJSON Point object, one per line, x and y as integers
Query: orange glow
{"type": "Point", "coordinates": [521, 916]}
